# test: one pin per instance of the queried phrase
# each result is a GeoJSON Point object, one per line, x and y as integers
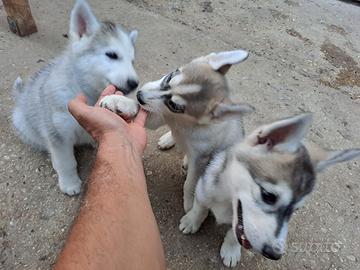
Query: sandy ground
{"type": "Point", "coordinates": [304, 56]}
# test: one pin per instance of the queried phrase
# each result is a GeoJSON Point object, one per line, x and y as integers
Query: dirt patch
{"type": "Point", "coordinates": [4, 246]}
{"type": "Point", "coordinates": [336, 56]}
{"type": "Point", "coordinates": [349, 73]}
{"type": "Point", "coordinates": [348, 77]}
{"type": "Point", "coordinates": [140, 3]}
{"type": "Point", "coordinates": [206, 7]}
{"type": "Point", "coordinates": [278, 15]}
{"type": "Point", "coordinates": [336, 29]}
{"type": "Point", "coordinates": [291, 3]}
{"type": "Point", "coordinates": [292, 32]}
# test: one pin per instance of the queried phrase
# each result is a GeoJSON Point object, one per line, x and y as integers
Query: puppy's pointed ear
{"type": "Point", "coordinates": [286, 134]}
{"type": "Point", "coordinates": [322, 159]}
{"type": "Point", "coordinates": [133, 36]}
{"type": "Point", "coordinates": [231, 109]}
{"type": "Point", "coordinates": [222, 61]}
{"type": "Point", "coordinates": [82, 22]}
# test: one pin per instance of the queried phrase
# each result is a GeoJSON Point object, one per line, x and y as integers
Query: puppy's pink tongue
{"type": "Point", "coordinates": [241, 237]}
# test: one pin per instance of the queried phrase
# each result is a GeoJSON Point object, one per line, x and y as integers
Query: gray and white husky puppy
{"type": "Point", "coordinates": [98, 54]}
{"type": "Point", "coordinates": [257, 184]}
{"type": "Point", "coordinates": [194, 101]}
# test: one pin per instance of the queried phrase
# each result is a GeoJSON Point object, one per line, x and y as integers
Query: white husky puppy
{"type": "Point", "coordinates": [98, 54]}
{"type": "Point", "coordinates": [194, 101]}
{"type": "Point", "coordinates": [257, 184]}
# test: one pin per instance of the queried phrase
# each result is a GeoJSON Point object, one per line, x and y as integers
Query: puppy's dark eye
{"type": "Point", "coordinates": [267, 197]}
{"type": "Point", "coordinates": [174, 107]}
{"type": "Point", "coordinates": [112, 55]}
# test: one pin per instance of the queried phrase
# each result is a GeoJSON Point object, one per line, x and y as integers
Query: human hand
{"type": "Point", "coordinates": [104, 125]}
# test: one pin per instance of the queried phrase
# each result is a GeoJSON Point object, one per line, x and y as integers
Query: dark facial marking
{"type": "Point", "coordinates": [283, 214]}
{"type": "Point", "coordinates": [303, 175]}
{"type": "Point", "coordinates": [303, 181]}
{"type": "Point", "coordinates": [165, 82]}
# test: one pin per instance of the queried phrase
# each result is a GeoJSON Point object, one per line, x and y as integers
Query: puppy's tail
{"type": "Point", "coordinates": [18, 87]}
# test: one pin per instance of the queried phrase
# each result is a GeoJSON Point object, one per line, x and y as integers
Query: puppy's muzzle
{"type": "Point", "coordinates": [132, 84]}
{"type": "Point", "coordinates": [270, 253]}
{"type": "Point", "coordinates": [140, 98]}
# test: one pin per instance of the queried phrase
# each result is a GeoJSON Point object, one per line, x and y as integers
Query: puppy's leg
{"type": "Point", "coordinates": [190, 183]}
{"type": "Point", "coordinates": [64, 162]}
{"type": "Point", "coordinates": [166, 141]}
{"type": "Point", "coordinates": [191, 222]}
{"type": "Point", "coordinates": [230, 251]}
{"type": "Point", "coordinates": [121, 105]}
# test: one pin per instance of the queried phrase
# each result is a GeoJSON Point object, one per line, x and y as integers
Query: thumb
{"type": "Point", "coordinates": [81, 98]}
{"type": "Point", "coordinates": [141, 117]}
{"type": "Point", "coordinates": [78, 106]}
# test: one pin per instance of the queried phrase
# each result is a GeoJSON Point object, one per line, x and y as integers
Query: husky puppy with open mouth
{"type": "Point", "coordinates": [98, 54]}
{"type": "Point", "coordinates": [257, 184]}
{"type": "Point", "coordinates": [194, 101]}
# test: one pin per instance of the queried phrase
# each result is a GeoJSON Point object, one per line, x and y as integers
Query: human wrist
{"type": "Point", "coordinates": [118, 164]}
{"type": "Point", "coordinates": [115, 143]}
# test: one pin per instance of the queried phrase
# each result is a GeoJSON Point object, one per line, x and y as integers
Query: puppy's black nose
{"type": "Point", "coordinates": [269, 253]}
{"type": "Point", "coordinates": [140, 98]}
{"type": "Point", "coordinates": [132, 84]}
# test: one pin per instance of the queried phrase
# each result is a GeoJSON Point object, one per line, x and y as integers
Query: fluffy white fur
{"type": "Point", "coordinates": [41, 117]}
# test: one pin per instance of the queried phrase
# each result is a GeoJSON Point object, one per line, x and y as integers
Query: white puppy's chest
{"type": "Point", "coordinates": [213, 191]}
{"type": "Point", "coordinates": [200, 140]}
{"type": "Point", "coordinates": [223, 212]}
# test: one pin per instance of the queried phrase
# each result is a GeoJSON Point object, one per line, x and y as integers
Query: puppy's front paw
{"type": "Point", "coordinates": [166, 141]}
{"type": "Point", "coordinates": [121, 105]}
{"type": "Point", "coordinates": [70, 187]}
{"type": "Point", "coordinates": [190, 223]}
{"type": "Point", "coordinates": [230, 254]}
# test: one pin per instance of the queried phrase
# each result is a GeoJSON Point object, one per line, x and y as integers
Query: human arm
{"type": "Point", "coordinates": [116, 227]}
